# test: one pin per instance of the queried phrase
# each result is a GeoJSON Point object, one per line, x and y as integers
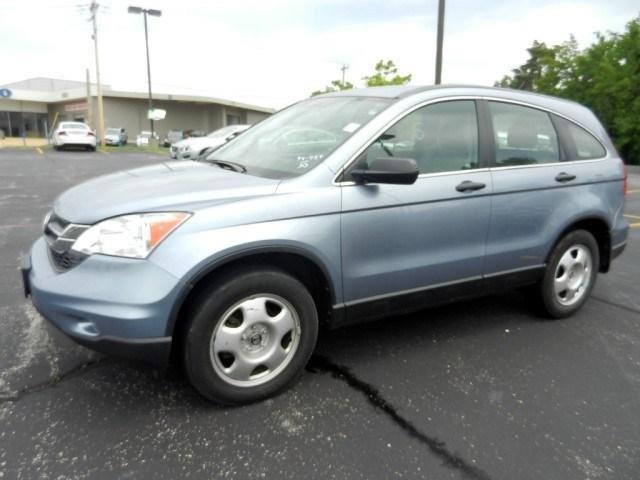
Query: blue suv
{"type": "Point", "coordinates": [338, 209]}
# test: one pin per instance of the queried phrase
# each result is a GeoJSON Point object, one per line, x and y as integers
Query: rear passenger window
{"type": "Point", "coordinates": [523, 135]}
{"type": "Point", "coordinates": [580, 143]}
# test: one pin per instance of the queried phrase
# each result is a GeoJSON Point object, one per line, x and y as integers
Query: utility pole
{"type": "Point", "coordinates": [439, 42]}
{"type": "Point", "coordinates": [155, 13]}
{"type": "Point", "coordinates": [89, 107]}
{"type": "Point", "coordinates": [100, 130]}
{"type": "Point", "coordinates": [344, 68]}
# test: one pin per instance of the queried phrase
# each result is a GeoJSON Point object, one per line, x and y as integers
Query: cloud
{"type": "Point", "coordinates": [275, 52]}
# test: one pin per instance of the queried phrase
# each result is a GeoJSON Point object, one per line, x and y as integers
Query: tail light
{"type": "Point", "coordinates": [62, 132]}
{"type": "Point", "coordinates": [91, 134]}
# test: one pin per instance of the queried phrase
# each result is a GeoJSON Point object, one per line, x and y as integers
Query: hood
{"type": "Point", "coordinates": [162, 187]}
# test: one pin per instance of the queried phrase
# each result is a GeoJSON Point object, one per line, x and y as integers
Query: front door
{"type": "Point", "coordinates": [407, 245]}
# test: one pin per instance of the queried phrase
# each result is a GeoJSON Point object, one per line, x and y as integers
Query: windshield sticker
{"type": "Point", "coordinates": [305, 161]}
{"type": "Point", "coordinates": [351, 127]}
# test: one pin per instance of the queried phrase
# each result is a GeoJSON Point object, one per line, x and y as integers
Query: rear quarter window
{"type": "Point", "coordinates": [581, 145]}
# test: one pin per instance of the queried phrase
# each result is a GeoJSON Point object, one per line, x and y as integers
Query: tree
{"type": "Point", "coordinates": [546, 71]}
{"type": "Point", "coordinates": [386, 73]}
{"type": "Point", "coordinates": [335, 86]}
{"type": "Point", "coordinates": [605, 77]}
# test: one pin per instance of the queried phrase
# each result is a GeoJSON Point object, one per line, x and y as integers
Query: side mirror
{"type": "Point", "coordinates": [398, 171]}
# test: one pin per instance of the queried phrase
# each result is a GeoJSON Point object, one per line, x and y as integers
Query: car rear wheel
{"type": "Point", "coordinates": [570, 275]}
{"type": "Point", "coordinates": [249, 335]}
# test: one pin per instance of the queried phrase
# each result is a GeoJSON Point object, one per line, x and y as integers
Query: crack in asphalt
{"type": "Point", "coordinates": [81, 369]}
{"type": "Point", "coordinates": [437, 447]}
{"type": "Point", "coordinates": [614, 304]}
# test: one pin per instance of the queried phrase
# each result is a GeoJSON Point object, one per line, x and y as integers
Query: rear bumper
{"type": "Point", "coordinates": [619, 236]}
{"type": "Point", "coordinates": [616, 250]}
{"type": "Point", "coordinates": [116, 306]}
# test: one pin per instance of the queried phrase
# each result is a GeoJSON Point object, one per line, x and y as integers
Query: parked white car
{"type": "Point", "coordinates": [76, 134]}
{"type": "Point", "coordinates": [193, 147]}
{"type": "Point", "coordinates": [142, 140]}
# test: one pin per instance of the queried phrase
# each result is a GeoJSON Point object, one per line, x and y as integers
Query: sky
{"type": "Point", "coordinates": [274, 52]}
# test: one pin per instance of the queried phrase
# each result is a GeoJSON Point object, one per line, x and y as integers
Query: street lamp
{"type": "Point", "coordinates": [153, 13]}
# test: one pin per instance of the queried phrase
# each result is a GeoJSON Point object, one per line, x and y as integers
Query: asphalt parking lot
{"type": "Point", "coordinates": [479, 390]}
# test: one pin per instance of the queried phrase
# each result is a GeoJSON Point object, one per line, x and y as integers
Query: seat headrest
{"type": "Point", "coordinates": [522, 135]}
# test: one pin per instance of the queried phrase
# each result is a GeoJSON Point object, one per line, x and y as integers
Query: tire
{"type": "Point", "coordinates": [570, 274]}
{"type": "Point", "coordinates": [92, 148]}
{"type": "Point", "coordinates": [235, 357]}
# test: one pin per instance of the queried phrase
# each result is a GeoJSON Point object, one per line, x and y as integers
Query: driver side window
{"type": "Point", "coordinates": [441, 138]}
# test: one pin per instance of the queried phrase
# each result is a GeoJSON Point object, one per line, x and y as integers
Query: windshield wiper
{"type": "Point", "coordinates": [236, 167]}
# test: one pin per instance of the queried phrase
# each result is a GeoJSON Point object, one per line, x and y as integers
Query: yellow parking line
{"type": "Point", "coordinates": [101, 150]}
{"type": "Point", "coordinates": [628, 215]}
{"type": "Point", "coordinates": [634, 191]}
{"type": "Point", "coordinates": [635, 225]}
{"type": "Point", "coordinates": [39, 150]}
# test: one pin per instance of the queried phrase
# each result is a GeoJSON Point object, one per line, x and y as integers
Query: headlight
{"type": "Point", "coordinates": [133, 236]}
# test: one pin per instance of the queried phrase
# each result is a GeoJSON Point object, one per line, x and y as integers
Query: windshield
{"type": "Point", "coordinates": [74, 125]}
{"type": "Point", "coordinates": [297, 139]}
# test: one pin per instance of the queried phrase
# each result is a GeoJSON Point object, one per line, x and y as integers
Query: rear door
{"type": "Point", "coordinates": [404, 246]}
{"type": "Point", "coordinates": [534, 189]}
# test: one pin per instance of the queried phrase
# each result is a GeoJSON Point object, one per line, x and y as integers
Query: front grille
{"type": "Point", "coordinates": [60, 235]}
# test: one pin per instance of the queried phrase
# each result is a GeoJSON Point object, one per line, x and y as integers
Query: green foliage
{"type": "Point", "coordinates": [386, 73]}
{"type": "Point", "coordinates": [335, 86]}
{"type": "Point", "coordinates": [605, 77]}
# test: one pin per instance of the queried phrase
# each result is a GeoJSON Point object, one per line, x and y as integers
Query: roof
{"type": "Point", "coordinates": [46, 84]}
{"type": "Point", "coordinates": [55, 90]}
{"type": "Point", "coordinates": [402, 91]}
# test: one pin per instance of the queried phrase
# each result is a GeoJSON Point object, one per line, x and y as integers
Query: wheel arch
{"type": "Point", "coordinates": [300, 263]}
{"type": "Point", "coordinates": [599, 228]}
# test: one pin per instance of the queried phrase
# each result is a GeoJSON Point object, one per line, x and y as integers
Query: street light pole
{"type": "Point", "coordinates": [155, 13]}
{"type": "Point", "coordinates": [439, 42]}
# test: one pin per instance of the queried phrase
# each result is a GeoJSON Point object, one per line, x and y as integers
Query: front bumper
{"type": "Point", "coordinates": [113, 305]}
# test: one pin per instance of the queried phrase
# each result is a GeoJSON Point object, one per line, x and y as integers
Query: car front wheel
{"type": "Point", "coordinates": [249, 335]}
{"type": "Point", "coordinates": [570, 275]}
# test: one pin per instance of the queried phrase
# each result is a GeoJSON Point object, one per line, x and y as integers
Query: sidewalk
{"type": "Point", "coordinates": [20, 142]}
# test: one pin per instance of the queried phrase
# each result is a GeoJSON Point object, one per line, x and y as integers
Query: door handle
{"type": "Point", "coordinates": [469, 186]}
{"type": "Point", "coordinates": [564, 177]}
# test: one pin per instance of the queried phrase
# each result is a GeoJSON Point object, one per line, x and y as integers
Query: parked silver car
{"type": "Point", "coordinates": [193, 147]}
{"type": "Point", "coordinates": [116, 136]}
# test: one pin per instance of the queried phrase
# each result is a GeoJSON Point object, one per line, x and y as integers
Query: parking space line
{"type": "Point", "coordinates": [39, 150]}
{"type": "Point", "coordinates": [635, 225]}
{"type": "Point", "coordinates": [103, 151]}
{"type": "Point", "coordinates": [637, 190]}
{"type": "Point", "coordinates": [628, 215]}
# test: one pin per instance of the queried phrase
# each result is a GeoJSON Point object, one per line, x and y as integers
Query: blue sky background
{"type": "Point", "coordinates": [275, 52]}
